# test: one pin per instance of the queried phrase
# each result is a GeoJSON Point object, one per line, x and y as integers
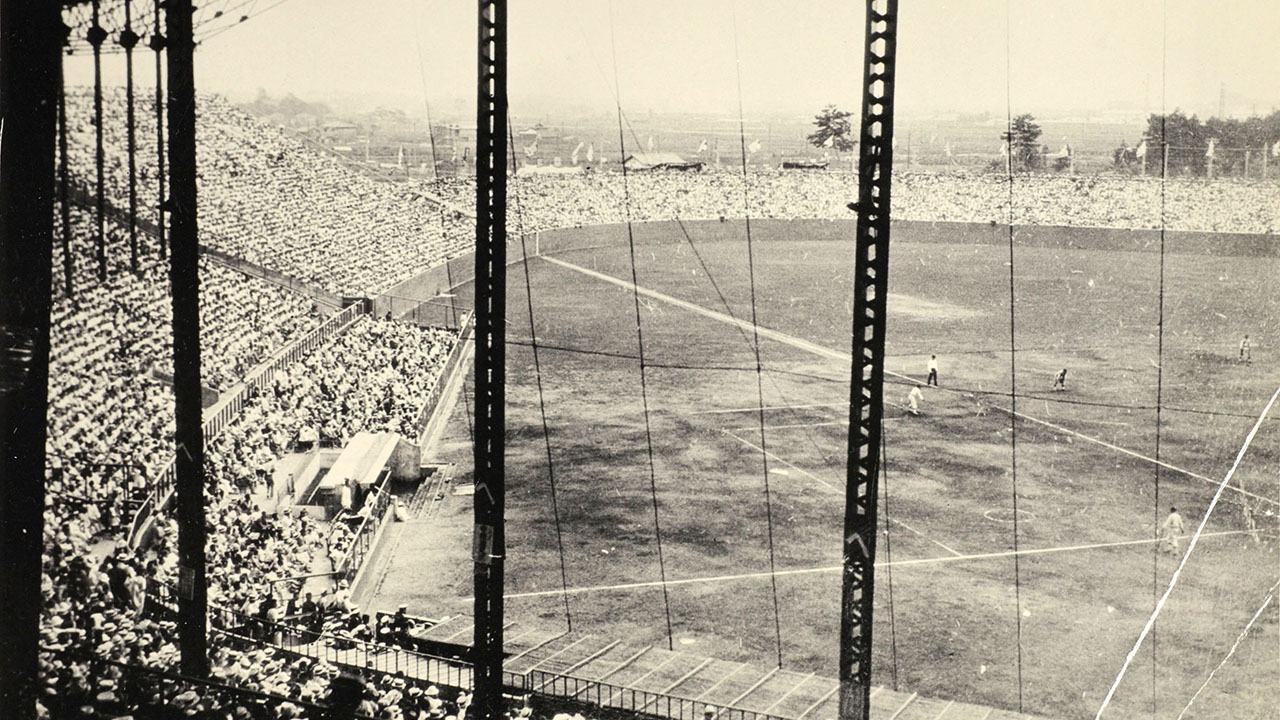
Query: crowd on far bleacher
{"type": "Point", "coordinates": [268, 198]}
{"type": "Point", "coordinates": [272, 199]}
{"type": "Point", "coordinates": [549, 201]}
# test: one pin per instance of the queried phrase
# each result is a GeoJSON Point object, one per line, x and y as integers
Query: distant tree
{"type": "Point", "coordinates": [1186, 139]}
{"type": "Point", "coordinates": [1023, 136]}
{"type": "Point", "coordinates": [834, 130]}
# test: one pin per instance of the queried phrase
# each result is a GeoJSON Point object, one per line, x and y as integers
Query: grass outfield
{"type": "Point", "coordinates": [952, 631]}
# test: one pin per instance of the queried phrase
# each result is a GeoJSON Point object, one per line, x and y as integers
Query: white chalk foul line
{"type": "Point", "coordinates": [837, 490]}
{"type": "Point", "coordinates": [838, 568]}
{"type": "Point", "coordinates": [1195, 537]}
{"type": "Point", "coordinates": [800, 470]}
{"type": "Point", "coordinates": [1140, 456]}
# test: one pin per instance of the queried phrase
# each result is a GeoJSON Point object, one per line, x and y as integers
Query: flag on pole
{"type": "Point", "coordinates": [702, 147]}
{"type": "Point", "coordinates": [831, 140]}
{"type": "Point", "coordinates": [574, 157]}
{"type": "Point", "coordinates": [591, 152]}
{"type": "Point", "coordinates": [948, 149]}
{"type": "Point", "coordinates": [1141, 152]}
{"type": "Point", "coordinates": [650, 143]}
{"type": "Point", "coordinates": [400, 157]}
{"type": "Point", "coordinates": [1004, 148]}
{"type": "Point", "coordinates": [1209, 152]}
{"type": "Point", "coordinates": [754, 146]}
{"type": "Point", "coordinates": [454, 154]}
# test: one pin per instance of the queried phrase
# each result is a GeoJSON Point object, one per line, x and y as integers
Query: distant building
{"type": "Point", "coordinates": [338, 132]}
{"type": "Point", "coordinates": [804, 164]}
{"type": "Point", "coordinates": [659, 161]}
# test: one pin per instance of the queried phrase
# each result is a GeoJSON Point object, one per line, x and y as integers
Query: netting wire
{"type": "Point", "coordinates": [1013, 349]}
{"type": "Point", "coordinates": [888, 552]}
{"type": "Point", "coordinates": [542, 405]}
{"type": "Point", "coordinates": [755, 345]}
{"type": "Point", "coordinates": [635, 294]}
{"type": "Point", "coordinates": [1164, 166]}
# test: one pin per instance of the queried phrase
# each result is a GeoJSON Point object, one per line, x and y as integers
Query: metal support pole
{"type": "Point", "coordinates": [64, 191]}
{"type": "Point", "coordinates": [157, 44]}
{"type": "Point", "coordinates": [866, 409]}
{"type": "Point", "coordinates": [30, 47]}
{"type": "Point", "coordinates": [185, 278]}
{"type": "Point", "coordinates": [95, 37]}
{"type": "Point", "coordinates": [490, 355]}
{"type": "Point", "coordinates": [129, 39]}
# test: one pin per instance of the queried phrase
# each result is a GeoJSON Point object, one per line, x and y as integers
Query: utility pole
{"type": "Point", "coordinates": [488, 446]}
{"type": "Point", "coordinates": [866, 401]}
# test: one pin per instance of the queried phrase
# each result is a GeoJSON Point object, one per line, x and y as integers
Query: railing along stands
{"type": "Point", "coordinates": [229, 407]}
{"type": "Point", "coordinates": [437, 390]}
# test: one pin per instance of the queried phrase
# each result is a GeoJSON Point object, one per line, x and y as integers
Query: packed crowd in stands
{"type": "Point", "coordinates": [544, 202]}
{"type": "Point", "coordinates": [110, 414]}
{"type": "Point", "coordinates": [272, 199]}
{"type": "Point", "coordinates": [255, 557]}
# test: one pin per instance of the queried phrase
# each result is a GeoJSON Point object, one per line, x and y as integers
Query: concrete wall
{"type": "Point", "coordinates": [910, 231]}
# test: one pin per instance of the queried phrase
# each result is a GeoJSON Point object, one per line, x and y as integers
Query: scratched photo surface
{"type": "Point", "coordinates": [722, 359]}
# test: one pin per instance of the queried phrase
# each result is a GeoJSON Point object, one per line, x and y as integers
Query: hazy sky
{"type": "Point", "coordinates": [673, 55]}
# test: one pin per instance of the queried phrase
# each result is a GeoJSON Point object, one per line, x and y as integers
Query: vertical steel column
{"type": "Point", "coordinates": [64, 194]}
{"type": "Point", "coordinates": [129, 39]}
{"type": "Point", "coordinates": [30, 46]}
{"type": "Point", "coordinates": [95, 37]}
{"type": "Point", "coordinates": [490, 355]}
{"type": "Point", "coordinates": [185, 277]}
{"type": "Point", "coordinates": [866, 409]}
{"type": "Point", "coordinates": [157, 44]}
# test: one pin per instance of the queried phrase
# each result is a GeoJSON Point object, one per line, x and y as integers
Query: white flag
{"type": "Point", "coordinates": [754, 146]}
{"type": "Point", "coordinates": [1004, 148]}
{"type": "Point", "coordinates": [1142, 149]}
{"type": "Point", "coordinates": [1209, 152]}
{"type": "Point", "coordinates": [591, 152]}
{"type": "Point", "coordinates": [574, 157]}
{"type": "Point", "coordinates": [454, 155]}
{"type": "Point", "coordinates": [650, 143]}
{"type": "Point", "coordinates": [831, 140]}
{"type": "Point", "coordinates": [532, 149]}
{"type": "Point", "coordinates": [948, 149]}
{"type": "Point", "coordinates": [702, 147]}
{"type": "Point", "coordinates": [1275, 149]}
{"type": "Point", "coordinates": [400, 157]}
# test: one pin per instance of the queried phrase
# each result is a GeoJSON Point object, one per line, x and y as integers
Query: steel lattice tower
{"type": "Point", "coordinates": [866, 408]}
